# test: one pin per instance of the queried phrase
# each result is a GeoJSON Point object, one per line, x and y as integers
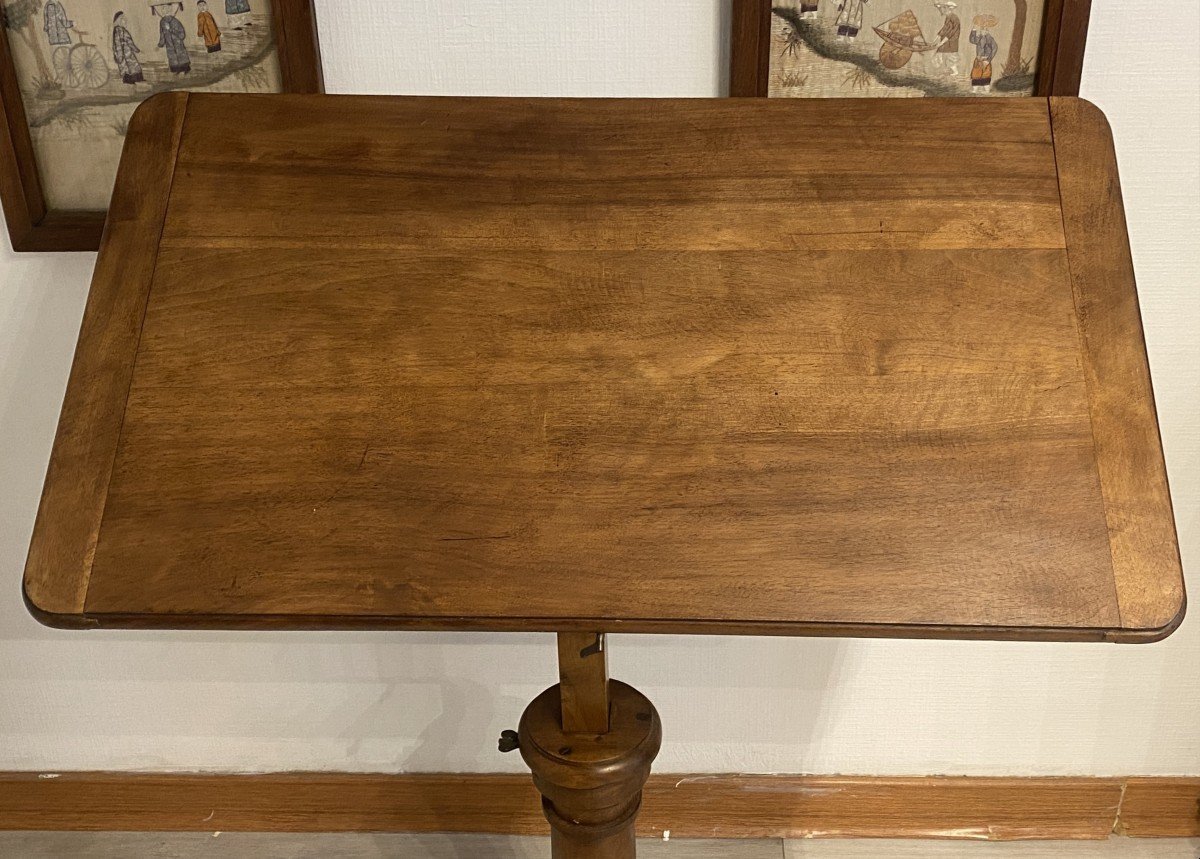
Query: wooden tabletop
{"type": "Point", "coordinates": [743, 366]}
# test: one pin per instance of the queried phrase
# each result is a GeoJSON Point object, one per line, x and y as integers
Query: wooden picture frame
{"type": "Point", "coordinates": [1060, 57]}
{"type": "Point", "coordinates": [32, 225]}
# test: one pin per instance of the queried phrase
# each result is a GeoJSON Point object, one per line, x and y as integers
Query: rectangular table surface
{"type": "Point", "coordinates": [745, 366]}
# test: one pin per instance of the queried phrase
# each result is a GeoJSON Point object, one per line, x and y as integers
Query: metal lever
{"type": "Point", "coordinates": [509, 741]}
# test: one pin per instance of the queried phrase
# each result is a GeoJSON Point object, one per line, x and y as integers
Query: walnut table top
{"type": "Point", "coordinates": [745, 366]}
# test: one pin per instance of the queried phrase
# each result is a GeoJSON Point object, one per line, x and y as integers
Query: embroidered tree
{"type": "Point", "coordinates": [1013, 65]}
{"type": "Point", "coordinates": [21, 16]}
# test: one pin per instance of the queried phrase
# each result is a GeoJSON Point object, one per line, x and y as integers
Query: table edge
{"type": "Point", "coordinates": [1147, 569]}
{"type": "Point", "coordinates": [74, 494]}
{"type": "Point", "coordinates": [641, 626]}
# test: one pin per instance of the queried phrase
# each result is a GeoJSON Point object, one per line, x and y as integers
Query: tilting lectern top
{"type": "Point", "coordinates": [587, 366]}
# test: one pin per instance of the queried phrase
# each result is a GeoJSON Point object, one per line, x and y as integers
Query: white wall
{"type": "Point", "coordinates": [414, 701]}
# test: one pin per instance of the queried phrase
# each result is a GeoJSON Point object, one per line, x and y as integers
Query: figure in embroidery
{"type": "Point", "coordinates": [125, 51]}
{"type": "Point", "coordinates": [173, 37]}
{"type": "Point", "coordinates": [236, 11]}
{"type": "Point", "coordinates": [849, 19]}
{"type": "Point", "coordinates": [206, 28]}
{"type": "Point", "coordinates": [985, 52]}
{"type": "Point", "coordinates": [945, 49]}
{"type": "Point", "coordinates": [56, 25]}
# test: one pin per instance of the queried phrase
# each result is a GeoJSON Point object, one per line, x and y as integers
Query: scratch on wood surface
{"type": "Point", "coordinates": [792, 788]}
{"type": "Point", "coordinates": [506, 536]}
{"type": "Point", "coordinates": [972, 833]}
{"type": "Point", "coordinates": [758, 787]}
{"type": "Point", "coordinates": [1118, 826]}
{"type": "Point", "coordinates": [362, 460]}
{"type": "Point", "coordinates": [816, 833]}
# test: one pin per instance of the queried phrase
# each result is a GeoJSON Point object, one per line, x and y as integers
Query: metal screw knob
{"type": "Point", "coordinates": [509, 741]}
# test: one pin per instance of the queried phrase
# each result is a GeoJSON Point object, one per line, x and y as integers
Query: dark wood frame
{"type": "Point", "coordinates": [1060, 58]}
{"type": "Point", "coordinates": [34, 227]}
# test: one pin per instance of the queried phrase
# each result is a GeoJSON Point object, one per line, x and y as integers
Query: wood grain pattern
{"type": "Point", "coordinates": [1064, 38]}
{"type": "Point", "coordinates": [750, 48]}
{"type": "Point", "coordinates": [298, 46]}
{"type": "Point", "coordinates": [1133, 476]}
{"type": "Point", "coordinates": [73, 499]}
{"type": "Point", "coordinates": [614, 365]}
{"type": "Point", "coordinates": [34, 227]}
{"type": "Point", "coordinates": [1161, 807]}
{"type": "Point", "coordinates": [994, 809]}
{"type": "Point", "coordinates": [690, 806]}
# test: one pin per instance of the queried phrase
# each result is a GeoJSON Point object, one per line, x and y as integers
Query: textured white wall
{"type": "Point", "coordinates": [413, 701]}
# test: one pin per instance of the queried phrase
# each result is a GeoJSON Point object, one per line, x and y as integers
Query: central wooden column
{"type": "Point", "coordinates": [589, 742]}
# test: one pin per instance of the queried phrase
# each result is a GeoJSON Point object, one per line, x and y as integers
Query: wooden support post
{"type": "Point", "coordinates": [583, 682]}
{"type": "Point", "coordinates": [590, 742]}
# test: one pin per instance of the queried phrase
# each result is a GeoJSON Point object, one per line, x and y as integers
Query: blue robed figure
{"type": "Point", "coordinates": [172, 36]}
{"type": "Point", "coordinates": [125, 51]}
{"type": "Point", "coordinates": [56, 25]}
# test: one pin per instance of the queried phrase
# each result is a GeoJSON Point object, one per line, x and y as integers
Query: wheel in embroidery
{"type": "Point", "coordinates": [61, 60]}
{"type": "Point", "coordinates": [88, 68]}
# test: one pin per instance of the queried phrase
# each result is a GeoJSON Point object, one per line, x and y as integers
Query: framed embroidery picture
{"type": "Point", "coordinates": [888, 48]}
{"type": "Point", "coordinates": [73, 71]}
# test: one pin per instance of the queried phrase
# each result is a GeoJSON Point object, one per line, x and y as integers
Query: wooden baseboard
{"type": "Point", "coordinates": [720, 806]}
{"type": "Point", "coordinates": [1166, 807]}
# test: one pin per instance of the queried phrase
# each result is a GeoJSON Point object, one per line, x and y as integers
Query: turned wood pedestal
{"type": "Point", "coordinates": [589, 742]}
{"type": "Point", "coordinates": [752, 366]}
